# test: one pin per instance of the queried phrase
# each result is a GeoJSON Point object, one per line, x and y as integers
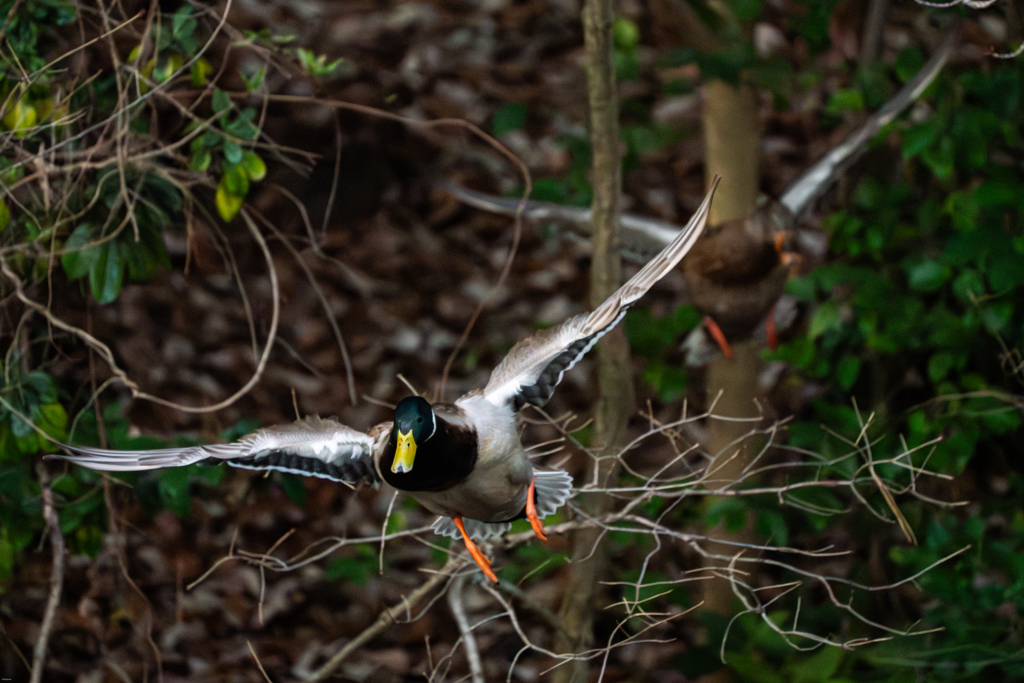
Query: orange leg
{"type": "Point", "coordinates": [479, 557]}
{"type": "Point", "coordinates": [781, 240]}
{"type": "Point", "coordinates": [531, 511]}
{"type": "Point", "coordinates": [718, 336]}
{"type": "Point", "coordinates": [769, 328]}
{"type": "Point", "coordinates": [786, 256]}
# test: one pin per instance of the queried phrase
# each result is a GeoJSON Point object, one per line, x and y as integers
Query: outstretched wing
{"type": "Point", "coordinates": [310, 447]}
{"type": "Point", "coordinates": [535, 365]}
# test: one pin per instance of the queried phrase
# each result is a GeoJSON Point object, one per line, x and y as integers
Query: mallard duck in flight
{"type": "Point", "coordinates": [464, 460]}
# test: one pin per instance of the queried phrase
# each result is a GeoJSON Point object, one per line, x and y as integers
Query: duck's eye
{"type": "Point", "coordinates": [419, 419]}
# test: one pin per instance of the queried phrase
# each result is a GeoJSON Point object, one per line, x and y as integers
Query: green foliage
{"type": "Point", "coordinates": [29, 412]}
{"type": "Point", "coordinates": [625, 39]}
{"type": "Point", "coordinates": [318, 66]}
{"type": "Point", "coordinates": [509, 118]}
{"type": "Point", "coordinates": [135, 244]}
{"type": "Point", "coordinates": [223, 141]}
{"type": "Point", "coordinates": [918, 316]}
{"type": "Point", "coordinates": [574, 188]}
{"type": "Point", "coordinates": [656, 339]}
{"type": "Point", "coordinates": [357, 566]}
{"type": "Point", "coordinates": [30, 25]}
{"type": "Point", "coordinates": [104, 218]}
{"type": "Point", "coordinates": [813, 25]}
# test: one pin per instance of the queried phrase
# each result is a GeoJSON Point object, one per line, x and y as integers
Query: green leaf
{"type": "Point", "coordinates": [221, 101]}
{"type": "Point", "coordinates": [828, 316]}
{"type": "Point", "coordinates": [228, 205]}
{"type": "Point", "coordinates": [928, 276]}
{"type": "Point", "coordinates": [254, 166]}
{"type": "Point", "coordinates": [1006, 270]}
{"type": "Point", "coordinates": [232, 152]}
{"type": "Point", "coordinates": [908, 63]}
{"type": "Point", "coordinates": [847, 371]}
{"type": "Point", "coordinates": [996, 316]}
{"type": "Point", "coordinates": [295, 487]}
{"type": "Point", "coordinates": [73, 514]}
{"type": "Point", "coordinates": [355, 570]}
{"type": "Point", "coordinates": [77, 259]}
{"type": "Point", "coordinates": [53, 421]}
{"type": "Point", "coordinates": [183, 25]}
{"type": "Point", "coordinates": [201, 69]}
{"type": "Point", "coordinates": [939, 365]}
{"type": "Point", "coordinates": [210, 474]}
{"type": "Point", "coordinates": [166, 67]}
{"type": "Point", "coordinates": [139, 258]}
{"type": "Point", "coordinates": [314, 65]}
{"type": "Point", "coordinates": [813, 22]}
{"type": "Point", "coordinates": [1001, 193]}
{"type": "Point", "coordinates": [212, 138]}
{"type": "Point", "coordinates": [939, 158]}
{"type": "Point", "coordinates": [173, 487]}
{"type": "Point", "coordinates": [625, 33]}
{"type": "Point", "coordinates": [41, 385]}
{"type": "Point", "coordinates": [802, 288]}
{"type": "Point", "coordinates": [235, 180]}
{"type": "Point", "coordinates": [5, 215]}
{"type": "Point", "coordinates": [107, 273]}
{"type": "Point", "coordinates": [753, 670]}
{"type": "Point", "coordinates": [845, 100]}
{"type": "Point", "coordinates": [243, 127]}
{"type": "Point", "coordinates": [969, 286]}
{"type": "Point", "coordinates": [731, 512]}
{"type": "Point", "coordinates": [817, 668]}
{"type": "Point", "coordinates": [508, 118]}
{"type": "Point", "coordinates": [255, 80]}
{"type": "Point", "coordinates": [918, 138]}
{"type": "Point", "coordinates": [771, 526]}
{"type": "Point", "coordinates": [200, 160]}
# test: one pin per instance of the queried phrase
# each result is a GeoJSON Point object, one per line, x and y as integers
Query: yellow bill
{"type": "Point", "coordinates": [405, 453]}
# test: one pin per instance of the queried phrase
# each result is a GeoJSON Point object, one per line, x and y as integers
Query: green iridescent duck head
{"type": "Point", "coordinates": [414, 424]}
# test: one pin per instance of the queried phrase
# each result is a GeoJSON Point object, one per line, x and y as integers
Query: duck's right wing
{"type": "Point", "coordinates": [311, 447]}
{"type": "Point", "coordinates": [535, 365]}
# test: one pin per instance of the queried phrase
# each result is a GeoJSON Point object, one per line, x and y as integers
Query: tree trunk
{"type": "Point", "coordinates": [732, 140]}
{"type": "Point", "coordinates": [615, 403]}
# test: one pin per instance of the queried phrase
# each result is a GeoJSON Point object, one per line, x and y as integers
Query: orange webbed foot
{"type": "Point", "coordinates": [474, 552]}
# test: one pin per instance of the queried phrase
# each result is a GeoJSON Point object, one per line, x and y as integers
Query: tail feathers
{"type": "Point", "coordinates": [553, 488]}
{"type": "Point", "coordinates": [477, 530]}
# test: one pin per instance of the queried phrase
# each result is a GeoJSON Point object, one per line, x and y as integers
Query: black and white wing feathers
{"type": "Point", "coordinates": [310, 447]}
{"type": "Point", "coordinates": [535, 365]}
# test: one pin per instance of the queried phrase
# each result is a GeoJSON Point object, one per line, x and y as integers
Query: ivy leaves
{"type": "Point", "coordinates": [136, 246]}
{"type": "Point", "coordinates": [238, 166]}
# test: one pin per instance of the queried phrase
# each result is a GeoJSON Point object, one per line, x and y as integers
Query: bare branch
{"type": "Point", "coordinates": [56, 576]}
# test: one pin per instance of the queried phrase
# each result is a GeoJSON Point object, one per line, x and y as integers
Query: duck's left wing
{"type": "Point", "coordinates": [535, 365]}
{"type": "Point", "coordinates": [310, 447]}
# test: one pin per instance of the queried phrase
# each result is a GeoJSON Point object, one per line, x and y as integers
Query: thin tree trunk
{"type": "Point", "coordinates": [732, 138]}
{"type": "Point", "coordinates": [614, 378]}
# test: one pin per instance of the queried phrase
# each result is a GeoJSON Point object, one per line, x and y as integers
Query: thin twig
{"type": "Point", "coordinates": [56, 576]}
{"type": "Point", "coordinates": [259, 665]}
{"type": "Point", "coordinates": [476, 669]}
